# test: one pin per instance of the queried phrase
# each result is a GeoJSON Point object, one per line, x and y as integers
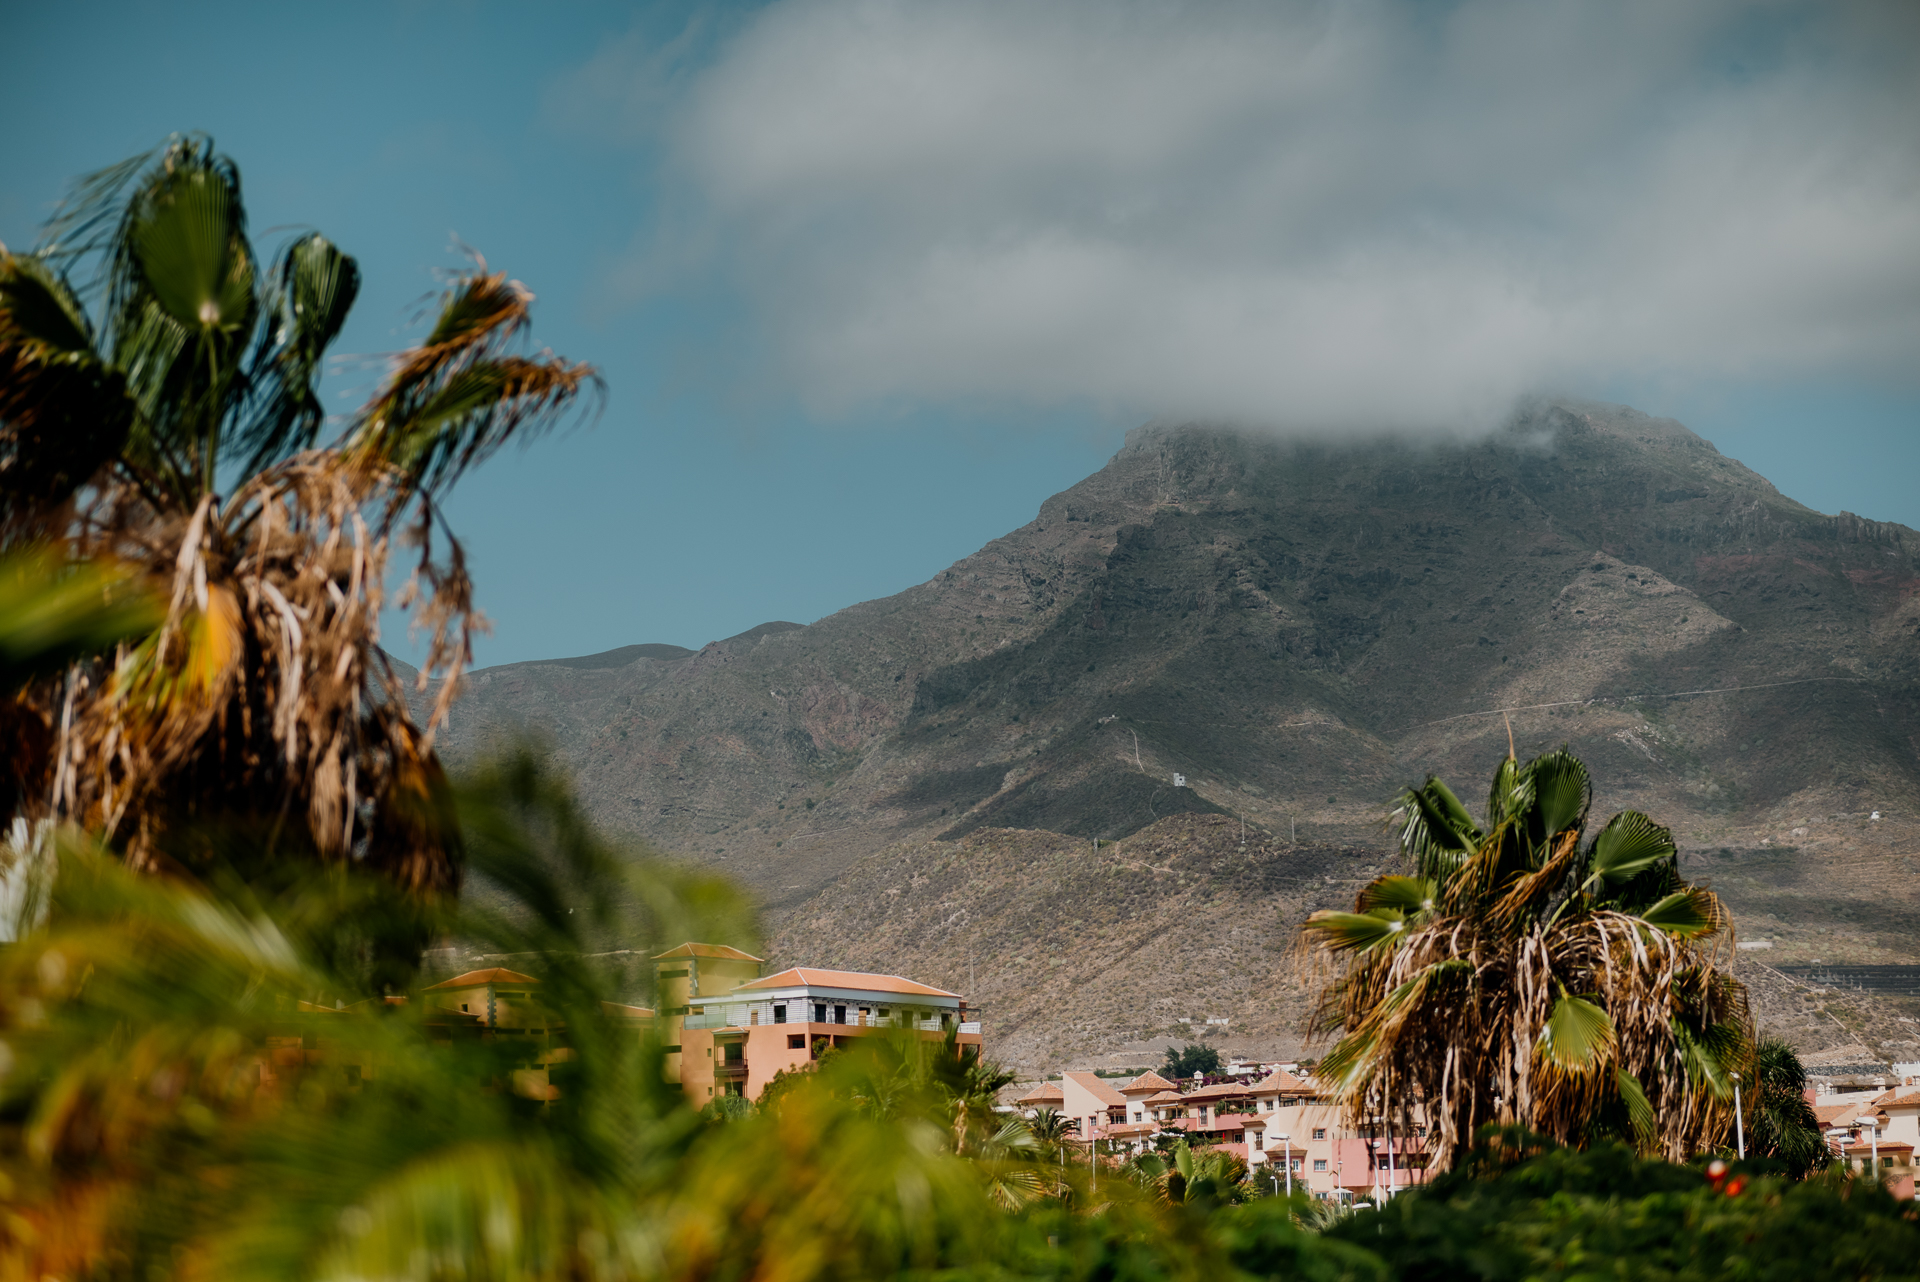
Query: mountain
{"type": "Point", "coordinates": [1299, 629]}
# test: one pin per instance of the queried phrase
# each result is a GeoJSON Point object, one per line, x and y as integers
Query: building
{"type": "Point", "coordinates": [1091, 1103]}
{"type": "Point", "coordinates": [499, 998]}
{"type": "Point", "coordinates": [1281, 1124]}
{"type": "Point", "coordinates": [683, 976]}
{"type": "Point", "coordinates": [734, 1043]}
{"type": "Point", "coordinates": [1046, 1095]}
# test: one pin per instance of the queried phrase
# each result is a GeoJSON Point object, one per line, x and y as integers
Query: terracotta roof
{"type": "Point", "coordinates": [1166, 1097]}
{"type": "Point", "coordinates": [620, 1011]}
{"type": "Point", "coordinates": [1097, 1088]}
{"type": "Point", "coordinates": [1044, 1093]}
{"type": "Point", "coordinates": [1126, 1130]}
{"type": "Point", "coordinates": [1834, 1114]}
{"type": "Point", "coordinates": [1894, 1099]}
{"type": "Point", "coordinates": [1147, 1081]}
{"type": "Point", "coordinates": [1282, 1082]}
{"type": "Point", "coordinates": [1885, 1147]}
{"type": "Point", "coordinates": [491, 975]}
{"type": "Point", "coordinates": [720, 951]}
{"type": "Point", "coordinates": [808, 977]}
{"type": "Point", "coordinates": [1225, 1090]}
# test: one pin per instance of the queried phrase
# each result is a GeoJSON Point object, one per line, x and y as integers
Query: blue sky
{"type": "Point", "coordinates": [868, 282]}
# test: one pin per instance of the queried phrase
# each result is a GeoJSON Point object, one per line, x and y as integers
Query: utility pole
{"type": "Point", "coordinates": [1739, 1122]}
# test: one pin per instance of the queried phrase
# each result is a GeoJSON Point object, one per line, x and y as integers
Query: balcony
{"type": "Point", "coordinates": [717, 1015]}
{"type": "Point", "coordinates": [731, 1070]}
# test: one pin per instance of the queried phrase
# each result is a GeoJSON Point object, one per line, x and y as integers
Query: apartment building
{"type": "Point", "coordinates": [734, 1043]}
{"type": "Point", "coordinates": [1281, 1125]}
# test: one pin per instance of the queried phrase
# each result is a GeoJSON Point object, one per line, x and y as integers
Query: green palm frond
{"type": "Point", "coordinates": [1684, 914]}
{"type": "Point", "coordinates": [1628, 846]}
{"type": "Point", "coordinates": [1577, 1035]}
{"type": "Point", "coordinates": [312, 288]}
{"type": "Point", "coordinates": [1357, 932]}
{"type": "Point", "coordinates": [1640, 1115]}
{"type": "Point", "coordinates": [1562, 792]}
{"type": "Point", "coordinates": [52, 612]}
{"type": "Point", "coordinates": [464, 393]}
{"type": "Point", "coordinates": [64, 414]}
{"type": "Point", "coordinates": [1410, 895]}
{"type": "Point", "coordinates": [1435, 829]}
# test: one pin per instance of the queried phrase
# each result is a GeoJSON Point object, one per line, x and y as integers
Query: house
{"type": "Point", "coordinates": [734, 1043]}
{"type": "Point", "coordinates": [1045, 1095]}
{"type": "Point", "coordinates": [1139, 1090]}
{"type": "Point", "coordinates": [499, 998]}
{"type": "Point", "coordinates": [683, 976]}
{"type": "Point", "coordinates": [1091, 1103]}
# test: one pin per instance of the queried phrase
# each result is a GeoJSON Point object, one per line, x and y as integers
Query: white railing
{"type": "Point", "coordinates": [742, 1015]}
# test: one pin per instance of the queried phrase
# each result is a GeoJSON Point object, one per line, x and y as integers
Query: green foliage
{"type": "Point", "coordinates": [1780, 1123]}
{"type": "Point", "coordinates": [1519, 974]}
{"type": "Point", "coordinates": [201, 1079]}
{"type": "Point", "coordinates": [1522, 1207]}
{"type": "Point", "coordinates": [1190, 1059]}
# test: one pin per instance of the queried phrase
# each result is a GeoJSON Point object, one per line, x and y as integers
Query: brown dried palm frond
{"type": "Point", "coordinates": [1521, 976]}
{"type": "Point", "coordinates": [263, 698]}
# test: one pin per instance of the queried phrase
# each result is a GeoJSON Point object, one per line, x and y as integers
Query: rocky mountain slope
{"type": "Point", "coordinates": [1184, 931]}
{"type": "Point", "coordinates": [1298, 629]}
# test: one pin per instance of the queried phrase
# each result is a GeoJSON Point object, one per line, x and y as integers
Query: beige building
{"type": "Point", "coordinates": [734, 1043]}
{"type": "Point", "coordinates": [684, 976]}
{"type": "Point", "coordinates": [499, 998]}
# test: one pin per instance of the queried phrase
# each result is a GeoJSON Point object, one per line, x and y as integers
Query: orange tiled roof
{"type": "Point", "coordinates": [1166, 1097]}
{"type": "Point", "coordinates": [1834, 1114]}
{"type": "Point", "coordinates": [1225, 1090]}
{"type": "Point", "coordinates": [621, 1011]}
{"type": "Point", "coordinates": [1894, 1099]}
{"type": "Point", "coordinates": [1147, 1081]}
{"type": "Point", "coordinates": [491, 975]}
{"type": "Point", "coordinates": [1126, 1130]}
{"type": "Point", "coordinates": [1283, 1082]}
{"type": "Point", "coordinates": [1097, 1088]}
{"type": "Point", "coordinates": [720, 951]}
{"type": "Point", "coordinates": [1044, 1093]}
{"type": "Point", "coordinates": [808, 977]}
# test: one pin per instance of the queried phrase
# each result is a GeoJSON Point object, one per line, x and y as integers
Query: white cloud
{"type": "Point", "coordinates": [1311, 215]}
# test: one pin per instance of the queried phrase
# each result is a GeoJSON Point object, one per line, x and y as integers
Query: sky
{"type": "Point", "coordinates": [868, 281]}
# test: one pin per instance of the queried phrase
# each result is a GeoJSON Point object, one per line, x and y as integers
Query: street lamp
{"type": "Point", "coordinates": [1873, 1138]}
{"type": "Point", "coordinates": [1739, 1122]}
{"type": "Point", "coordinates": [1286, 1147]}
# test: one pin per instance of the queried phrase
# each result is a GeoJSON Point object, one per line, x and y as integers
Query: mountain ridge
{"type": "Point", "coordinates": [1300, 628]}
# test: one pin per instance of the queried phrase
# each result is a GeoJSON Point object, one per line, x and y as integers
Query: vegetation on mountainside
{"type": "Point", "coordinates": [1191, 1059]}
{"type": "Point", "coordinates": [1519, 975]}
{"type": "Point", "coordinates": [159, 411]}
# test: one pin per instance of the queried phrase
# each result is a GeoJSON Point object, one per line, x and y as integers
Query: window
{"type": "Point", "coordinates": [1320, 1133]}
{"type": "Point", "coordinates": [839, 1014]}
{"type": "Point", "coordinates": [1319, 1163]}
{"type": "Point", "coordinates": [819, 1012]}
{"type": "Point", "coordinates": [796, 1041]}
{"type": "Point", "coordinates": [779, 1014]}
{"type": "Point", "coordinates": [464, 1010]}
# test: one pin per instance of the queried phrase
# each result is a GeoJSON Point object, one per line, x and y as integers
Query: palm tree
{"type": "Point", "coordinates": [173, 427]}
{"type": "Point", "coordinates": [1520, 976]}
{"type": "Point", "coordinates": [1185, 1176]}
{"type": "Point", "coordinates": [1780, 1122]}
